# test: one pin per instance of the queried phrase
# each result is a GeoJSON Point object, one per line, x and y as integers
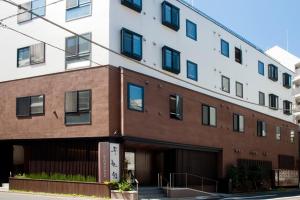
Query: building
{"type": "Point", "coordinates": [163, 88]}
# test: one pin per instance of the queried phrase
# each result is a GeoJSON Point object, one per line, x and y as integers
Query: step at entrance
{"type": "Point", "coordinates": [151, 193]}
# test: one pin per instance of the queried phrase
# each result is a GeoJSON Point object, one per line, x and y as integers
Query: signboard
{"type": "Point", "coordinates": [286, 177]}
{"type": "Point", "coordinates": [114, 162]}
{"type": "Point", "coordinates": [103, 161]}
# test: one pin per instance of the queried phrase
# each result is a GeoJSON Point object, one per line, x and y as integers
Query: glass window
{"type": "Point", "coordinates": [239, 89]}
{"type": "Point", "coordinates": [23, 106]}
{"type": "Point", "coordinates": [224, 48]}
{"type": "Point", "coordinates": [37, 105]}
{"type": "Point", "coordinates": [278, 133]}
{"type": "Point", "coordinates": [133, 4]}
{"type": "Point", "coordinates": [192, 71]}
{"type": "Point", "coordinates": [261, 128]}
{"type": "Point", "coordinates": [135, 97]}
{"type": "Point", "coordinates": [287, 107]}
{"type": "Point", "coordinates": [171, 60]}
{"type": "Point", "coordinates": [292, 136]}
{"type": "Point", "coordinates": [78, 9]}
{"type": "Point", "coordinates": [273, 101]}
{"type": "Point", "coordinates": [23, 57]}
{"type": "Point", "coordinates": [273, 72]}
{"type": "Point", "coordinates": [286, 80]}
{"type": "Point", "coordinates": [131, 44]}
{"type": "Point", "coordinates": [238, 55]}
{"type": "Point", "coordinates": [225, 84]}
{"type": "Point", "coordinates": [38, 8]}
{"type": "Point", "coordinates": [170, 16]}
{"type": "Point", "coordinates": [261, 68]}
{"type": "Point", "coordinates": [191, 30]}
{"type": "Point", "coordinates": [209, 115]}
{"type": "Point", "coordinates": [261, 97]}
{"type": "Point", "coordinates": [78, 107]}
{"type": "Point", "coordinates": [238, 123]}
{"type": "Point", "coordinates": [176, 107]}
{"type": "Point", "coordinates": [29, 106]}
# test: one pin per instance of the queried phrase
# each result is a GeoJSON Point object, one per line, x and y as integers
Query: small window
{"type": "Point", "coordinates": [225, 84]}
{"type": "Point", "coordinates": [239, 89]}
{"type": "Point", "coordinates": [225, 48]}
{"type": "Point", "coordinates": [171, 60]}
{"type": "Point", "coordinates": [261, 129]}
{"type": "Point", "coordinates": [287, 107]}
{"type": "Point", "coordinates": [176, 107]}
{"type": "Point", "coordinates": [38, 7]}
{"type": "Point", "coordinates": [170, 16]}
{"type": "Point", "coordinates": [29, 106]}
{"type": "Point", "coordinates": [273, 72]}
{"type": "Point", "coordinates": [273, 101]}
{"type": "Point", "coordinates": [135, 97]}
{"type": "Point", "coordinates": [238, 123]}
{"type": "Point", "coordinates": [31, 55]}
{"type": "Point", "coordinates": [261, 68]}
{"type": "Point", "coordinates": [76, 9]}
{"type": "Point", "coordinates": [292, 136]}
{"type": "Point", "coordinates": [191, 30]}
{"type": "Point", "coordinates": [78, 107]}
{"type": "Point", "coordinates": [286, 80]}
{"type": "Point", "coordinates": [209, 115]}
{"type": "Point", "coordinates": [131, 44]}
{"type": "Point", "coordinates": [78, 51]}
{"type": "Point", "coordinates": [261, 97]}
{"type": "Point", "coordinates": [192, 71]}
{"type": "Point", "coordinates": [278, 133]}
{"type": "Point", "coordinates": [133, 4]}
{"type": "Point", "coordinates": [238, 55]}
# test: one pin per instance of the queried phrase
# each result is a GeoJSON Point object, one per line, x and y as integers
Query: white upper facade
{"type": "Point", "coordinates": [108, 17]}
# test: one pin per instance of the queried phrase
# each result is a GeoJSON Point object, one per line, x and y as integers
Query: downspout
{"type": "Point", "coordinates": [122, 99]}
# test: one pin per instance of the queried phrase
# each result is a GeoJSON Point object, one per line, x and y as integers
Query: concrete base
{"type": "Point", "coordinates": [130, 195]}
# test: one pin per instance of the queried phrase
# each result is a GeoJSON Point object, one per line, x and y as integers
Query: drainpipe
{"type": "Point", "coordinates": [122, 99]}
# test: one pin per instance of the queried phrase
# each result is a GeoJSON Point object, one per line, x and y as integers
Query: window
{"type": "Point", "coordinates": [176, 107]}
{"type": "Point", "coordinates": [171, 60]}
{"type": "Point", "coordinates": [32, 55]}
{"type": "Point", "coordinates": [76, 9]}
{"type": "Point", "coordinates": [135, 97]}
{"type": "Point", "coordinates": [238, 55]}
{"type": "Point", "coordinates": [209, 115]}
{"type": "Point", "coordinates": [286, 80]}
{"type": "Point", "coordinates": [224, 48]}
{"type": "Point", "coordinates": [261, 129]}
{"type": "Point", "coordinates": [191, 30]}
{"type": "Point", "coordinates": [192, 70]}
{"type": "Point", "coordinates": [239, 89]}
{"type": "Point", "coordinates": [273, 72]}
{"type": "Point", "coordinates": [170, 16]}
{"type": "Point", "coordinates": [261, 98]}
{"type": "Point", "coordinates": [29, 106]}
{"type": "Point", "coordinates": [292, 136]}
{"type": "Point", "coordinates": [287, 107]}
{"type": "Point", "coordinates": [261, 68]}
{"type": "Point", "coordinates": [78, 107]}
{"type": "Point", "coordinates": [78, 51]}
{"type": "Point", "coordinates": [131, 44]}
{"type": "Point", "coordinates": [238, 123]}
{"type": "Point", "coordinates": [225, 84]}
{"type": "Point", "coordinates": [133, 4]}
{"type": "Point", "coordinates": [278, 133]}
{"type": "Point", "coordinates": [38, 7]}
{"type": "Point", "coordinates": [273, 101]}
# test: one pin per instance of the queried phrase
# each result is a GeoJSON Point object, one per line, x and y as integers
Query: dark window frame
{"type": "Point", "coordinates": [131, 53]}
{"type": "Point", "coordinates": [287, 111]}
{"type": "Point", "coordinates": [132, 5]}
{"type": "Point", "coordinates": [196, 31]}
{"type": "Point", "coordinates": [226, 54]}
{"type": "Point", "coordinates": [178, 114]}
{"type": "Point", "coordinates": [236, 89]}
{"type": "Point", "coordinates": [77, 7]}
{"type": "Point", "coordinates": [128, 97]}
{"type": "Point", "coordinates": [259, 125]}
{"type": "Point", "coordinates": [208, 117]}
{"type": "Point", "coordinates": [238, 122]}
{"type": "Point", "coordinates": [173, 25]}
{"type": "Point", "coordinates": [286, 84]}
{"type": "Point", "coordinates": [273, 72]}
{"type": "Point", "coordinates": [173, 51]}
{"type": "Point", "coordinates": [32, 16]}
{"type": "Point", "coordinates": [30, 61]}
{"type": "Point", "coordinates": [78, 110]}
{"type": "Point", "coordinates": [271, 96]}
{"type": "Point", "coordinates": [238, 54]}
{"type": "Point", "coordinates": [187, 70]}
{"type": "Point", "coordinates": [263, 99]}
{"type": "Point", "coordinates": [261, 64]}
{"type": "Point", "coordinates": [222, 84]}
{"type": "Point", "coordinates": [30, 114]}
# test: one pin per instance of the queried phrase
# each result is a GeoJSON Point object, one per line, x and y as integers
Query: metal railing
{"type": "Point", "coordinates": [192, 181]}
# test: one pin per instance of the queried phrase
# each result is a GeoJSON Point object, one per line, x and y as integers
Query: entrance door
{"type": "Point", "coordinates": [6, 159]}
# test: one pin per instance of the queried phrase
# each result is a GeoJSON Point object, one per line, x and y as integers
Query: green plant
{"type": "Point", "coordinates": [57, 176]}
{"type": "Point", "coordinates": [125, 186]}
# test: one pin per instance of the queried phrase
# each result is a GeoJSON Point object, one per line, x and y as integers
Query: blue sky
{"type": "Point", "coordinates": [263, 22]}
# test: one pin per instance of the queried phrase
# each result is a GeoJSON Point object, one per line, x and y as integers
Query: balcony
{"type": "Point", "coordinates": [296, 93]}
{"type": "Point", "coordinates": [296, 112]}
{"type": "Point", "coordinates": [296, 79]}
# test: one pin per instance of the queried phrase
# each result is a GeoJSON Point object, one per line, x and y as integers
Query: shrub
{"type": "Point", "coordinates": [58, 177]}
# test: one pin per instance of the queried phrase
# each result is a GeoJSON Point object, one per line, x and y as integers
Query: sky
{"type": "Point", "coordinates": [265, 23]}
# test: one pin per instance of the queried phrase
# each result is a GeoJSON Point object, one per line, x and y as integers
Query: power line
{"type": "Point", "coordinates": [130, 59]}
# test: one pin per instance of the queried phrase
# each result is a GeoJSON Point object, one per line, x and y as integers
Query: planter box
{"type": "Point", "coordinates": [60, 187]}
{"type": "Point", "coordinates": [130, 195]}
